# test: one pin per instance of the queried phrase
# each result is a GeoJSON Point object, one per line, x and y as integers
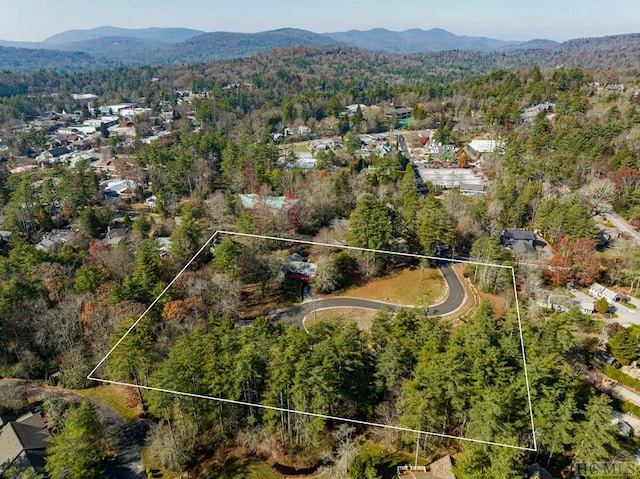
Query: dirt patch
{"type": "Point", "coordinates": [498, 304]}
{"type": "Point", "coordinates": [402, 288]}
{"type": "Point", "coordinates": [362, 317]}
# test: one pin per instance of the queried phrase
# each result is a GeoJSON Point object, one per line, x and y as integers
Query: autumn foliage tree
{"type": "Point", "coordinates": [574, 261]}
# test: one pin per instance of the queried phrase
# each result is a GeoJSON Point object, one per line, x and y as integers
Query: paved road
{"type": "Point", "coordinates": [402, 146]}
{"type": "Point", "coordinates": [622, 225]}
{"type": "Point", "coordinates": [455, 300]}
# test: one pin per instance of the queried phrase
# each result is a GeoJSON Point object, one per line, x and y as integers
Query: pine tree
{"type": "Point", "coordinates": [76, 452]}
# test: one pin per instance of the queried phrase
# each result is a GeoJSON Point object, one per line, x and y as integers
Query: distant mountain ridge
{"type": "Point", "coordinates": [416, 40]}
{"type": "Point", "coordinates": [170, 43]}
{"type": "Point", "coordinates": [87, 49]}
{"type": "Point", "coordinates": [164, 35]}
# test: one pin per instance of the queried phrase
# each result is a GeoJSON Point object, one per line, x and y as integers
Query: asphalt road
{"type": "Point", "coordinates": [622, 225]}
{"type": "Point", "coordinates": [402, 145]}
{"type": "Point", "coordinates": [455, 300]}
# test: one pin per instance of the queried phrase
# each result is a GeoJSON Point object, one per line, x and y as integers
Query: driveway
{"type": "Point", "coordinates": [128, 439]}
{"type": "Point", "coordinates": [451, 304]}
{"type": "Point", "coordinates": [620, 223]}
{"type": "Point", "coordinates": [626, 316]}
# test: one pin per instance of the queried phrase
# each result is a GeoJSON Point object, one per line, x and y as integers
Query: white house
{"type": "Point", "coordinates": [598, 291]}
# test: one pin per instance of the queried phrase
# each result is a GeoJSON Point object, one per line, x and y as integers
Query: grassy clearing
{"type": "Point", "coordinates": [497, 303]}
{"type": "Point", "coordinates": [363, 317]}
{"type": "Point", "coordinates": [402, 288]}
{"type": "Point", "coordinates": [390, 460]}
{"type": "Point", "coordinates": [246, 469]}
{"type": "Point", "coordinates": [147, 463]}
{"type": "Point", "coordinates": [114, 397]}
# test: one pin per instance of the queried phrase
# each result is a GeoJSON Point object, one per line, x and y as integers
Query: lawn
{"type": "Point", "coordinates": [402, 287]}
{"type": "Point", "coordinates": [114, 397]}
{"type": "Point", "coordinates": [390, 460]}
{"type": "Point", "coordinates": [246, 469]}
{"type": "Point", "coordinates": [363, 317]}
{"type": "Point", "coordinates": [147, 462]}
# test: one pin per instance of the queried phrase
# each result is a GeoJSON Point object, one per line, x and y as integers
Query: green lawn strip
{"type": "Point", "coordinates": [112, 398]}
{"type": "Point", "coordinates": [153, 471]}
{"type": "Point", "coordinates": [621, 377]}
{"type": "Point", "coordinates": [387, 462]}
{"type": "Point", "coordinates": [246, 469]}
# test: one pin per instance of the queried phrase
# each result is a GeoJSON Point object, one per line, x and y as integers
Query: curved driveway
{"type": "Point", "coordinates": [454, 300]}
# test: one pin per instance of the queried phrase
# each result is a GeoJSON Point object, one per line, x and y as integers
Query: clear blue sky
{"type": "Point", "coordinates": [35, 20]}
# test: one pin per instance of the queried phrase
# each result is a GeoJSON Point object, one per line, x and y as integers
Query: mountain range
{"type": "Point", "coordinates": [106, 47]}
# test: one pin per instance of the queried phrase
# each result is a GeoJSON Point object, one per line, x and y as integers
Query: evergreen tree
{"type": "Point", "coordinates": [76, 452]}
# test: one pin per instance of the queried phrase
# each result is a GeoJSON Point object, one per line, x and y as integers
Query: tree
{"type": "Point", "coordinates": [434, 226]}
{"type": "Point", "coordinates": [575, 260]}
{"type": "Point", "coordinates": [327, 276]}
{"type": "Point", "coordinates": [185, 238]}
{"type": "Point", "coordinates": [93, 221]}
{"type": "Point", "coordinates": [225, 259]}
{"type": "Point", "coordinates": [370, 224]}
{"type": "Point", "coordinates": [625, 344]}
{"type": "Point", "coordinates": [76, 452]}
{"type": "Point", "coordinates": [143, 282]}
{"type": "Point", "coordinates": [602, 306]}
{"type": "Point", "coordinates": [491, 279]}
{"type": "Point", "coordinates": [595, 436]}
{"type": "Point", "coordinates": [89, 277]}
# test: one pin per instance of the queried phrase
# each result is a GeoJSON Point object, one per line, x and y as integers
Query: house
{"type": "Point", "coordinates": [598, 291]}
{"type": "Point", "coordinates": [115, 235]}
{"type": "Point", "coordinates": [521, 242]}
{"type": "Point", "coordinates": [297, 269]}
{"type": "Point", "coordinates": [486, 146]}
{"type": "Point", "coordinates": [304, 163]}
{"type": "Point", "coordinates": [151, 202]}
{"type": "Point", "coordinates": [528, 114]}
{"type": "Point", "coordinates": [251, 201]}
{"type": "Point", "coordinates": [23, 443]}
{"type": "Point", "coordinates": [118, 187]}
{"type": "Point", "coordinates": [401, 113]}
{"type": "Point", "coordinates": [317, 145]}
{"type": "Point", "coordinates": [438, 149]}
{"type": "Point", "coordinates": [383, 150]}
{"type": "Point", "coordinates": [54, 154]}
{"type": "Point", "coordinates": [304, 130]}
{"type": "Point", "coordinates": [440, 469]}
{"type": "Point", "coordinates": [352, 109]}
{"type": "Point", "coordinates": [54, 239]}
{"type": "Point", "coordinates": [471, 189]}
{"type": "Point", "coordinates": [561, 303]}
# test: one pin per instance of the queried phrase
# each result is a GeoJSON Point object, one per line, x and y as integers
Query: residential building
{"type": "Point", "coordinates": [115, 235]}
{"type": "Point", "coordinates": [23, 443]}
{"type": "Point", "coordinates": [54, 240]}
{"type": "Point", "coordinates": [598, 291]}
{"type": "Point", "coordinates": [440, 469]}
{"type": "Point", "coordinates": [521, 242]}
{"type": "Point", "coordinates": [119, 187]}
{"type": "Point", "coordinates": [471, 189]}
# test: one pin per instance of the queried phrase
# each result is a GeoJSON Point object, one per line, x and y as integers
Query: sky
{"type": "Point", "coordinates": [35, 20]}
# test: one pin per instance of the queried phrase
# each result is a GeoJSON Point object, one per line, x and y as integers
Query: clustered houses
{"type": "Point", "coordinates": [72, 136]}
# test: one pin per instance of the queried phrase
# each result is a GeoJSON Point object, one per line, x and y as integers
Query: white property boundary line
{"type": "Point", "coordinates": [91, 376]}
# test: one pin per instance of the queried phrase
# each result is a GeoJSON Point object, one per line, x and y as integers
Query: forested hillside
{"type": "Point", "coordinates": [222, 146]}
